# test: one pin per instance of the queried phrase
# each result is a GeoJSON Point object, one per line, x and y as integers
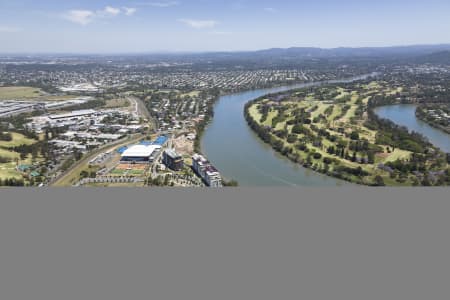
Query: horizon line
{"type": "Point", "coordinates": [175, 52]}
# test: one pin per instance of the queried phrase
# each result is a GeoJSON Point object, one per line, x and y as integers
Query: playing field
{"type": "Point", "coordinates": [9, 171]}
{"type": "Point", "coordinates": [191, 94]}
{"type": "Point", "coordinates": [19, 92]}
{"type": "Point", "coordinates": [114, 103]}
{"type": "Point", "coordinates": [18, 139]}
{"type": "Point", "coordinates": [131, 170]}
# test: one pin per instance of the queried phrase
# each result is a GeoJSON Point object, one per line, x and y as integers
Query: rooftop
{"type": "Point", "coordinates": [171, 153]}
{"type": "Point", "coordinates": [140, 151]}
{"type": "Point", "coordinates": [75, 113]}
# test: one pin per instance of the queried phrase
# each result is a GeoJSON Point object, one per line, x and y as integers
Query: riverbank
{"type": "Point", "coordinates": [405, 115]}
{"type": "Point", "coordinates": [422, 113]}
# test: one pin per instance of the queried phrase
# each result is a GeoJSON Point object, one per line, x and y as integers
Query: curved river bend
{"type": "Point", "coordinates": [405, 115]}
{"type": "Point", "coordinates": [239, 154]}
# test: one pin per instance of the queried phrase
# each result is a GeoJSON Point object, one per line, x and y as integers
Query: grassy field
{"type": "Point", "coordinates": [272, 114]}
{"type": "Point", "coordinates": [320, 110]}
{"type": "Point", "coordinates": [118, 185]}
{"type": "Point", "coordinates": [9, 154]}
{"type": "Point", "coordinates": [115, 103]}
{"type": "Point", "coordinates": [8, 170]}
{"type": "Point", "coordinates": [59, 98]}
{"type": "Point", "coordinates": [18, 139]}
{"type": "Point", "coordinates": [19, 92]}
{"type": "Point", "coordinates": [336, 112]}
{"type": "Point", "coordinates": [397, 154]}
{"type": "Point", "coordinates": [254, 113]}
{"type": "Point", "coordinates": [191, 94]}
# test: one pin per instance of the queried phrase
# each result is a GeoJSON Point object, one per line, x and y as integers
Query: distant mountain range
{"type": "Point", "coordinates": [441, 57]}
{"type": "Point", "coordinates": [280, 56]}
{"type": "Point", "coordinates": [311, 52]}
{"type": "Point", "coordinates": [270, 57]}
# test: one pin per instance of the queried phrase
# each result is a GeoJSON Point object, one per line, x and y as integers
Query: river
{"type": "Point", "coordinates": [405, 115]}
{"type": "Point", "coordinates": [239, 154]}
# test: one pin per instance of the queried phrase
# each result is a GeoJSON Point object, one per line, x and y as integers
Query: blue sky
{"type": "Point", "coordinates": [125, 26]}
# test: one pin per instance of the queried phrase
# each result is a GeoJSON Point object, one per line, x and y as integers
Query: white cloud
{"type": "Point", "coordinates": [270, 9]}
{"type": "Point", "coordinates": [199, 24]}
{"type": "Point", "coordinates": [82, 17]}
{"type": "Point", "coordinates": [160, 4]}
{"type": "Point", "coordinates": [9, 29]}
{"type": "Point", "coordinates": [129, 11]}
{"type": "Point", "coordinates": [111, 11]}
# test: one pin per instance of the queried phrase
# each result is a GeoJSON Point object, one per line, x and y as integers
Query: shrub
{"type": "Point", "coordinates": [354, 136]}
{"type": "Point", "coordinates": [327, 160]}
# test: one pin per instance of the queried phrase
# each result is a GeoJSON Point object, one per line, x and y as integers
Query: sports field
{"type": "Point", "coordinates": [17, 140]}
{"type": "Point", "coordinates": [19, 92]}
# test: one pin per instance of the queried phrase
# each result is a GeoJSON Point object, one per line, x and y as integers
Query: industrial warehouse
{"type": "Point", "coordinates": [145, 152]}
{"type": "Point", "coordinates": [141, 154]}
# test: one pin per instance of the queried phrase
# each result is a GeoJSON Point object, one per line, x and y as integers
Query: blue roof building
{"type": "Point", "coordinates": [161, 140]}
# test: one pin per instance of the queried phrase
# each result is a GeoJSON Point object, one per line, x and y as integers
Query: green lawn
{"type": "Point", "coordinates": [191, 94]}
{"type": "Point", "coordinates": [350, 113]}
{"type": "Point", "coordinates": [254, 113]}
{"type": "Point", "coordinates": [342, 93]}
{"type": "Point", "coordinates": [115, 103]}
{"type": "Point", "coordinates": [127, 172]}
{"type": "Point", "coordinates": [121, 185]}
{"type": "Point", "coordinates": [9, 154]}
{"type": "Point", "coordinates": [8, 170]}
{"type": "Point", "coordinates": [18, 139]}
{"type": "Point", "coordinates": [320, 110]}
{"type": "Point", "coordinates": [19, 92]}
{"type": "Point", "coordinates": [118, 172]}
{"type": "Point", "coordinates": [272, 114]}
{"type": "Point", "coordinates": [398, 154]}
{"type": "Point", "coordinates": [136, 172]}
{"type": "Point", "coordinates": [336, 112]}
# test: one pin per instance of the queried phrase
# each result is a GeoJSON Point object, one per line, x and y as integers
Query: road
{"type": "Point", "coordinates": [141, 110]}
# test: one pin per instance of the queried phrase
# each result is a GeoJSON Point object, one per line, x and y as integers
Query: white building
{"type": "Point", "coordinates": [140, 154]}
{"type": "Point", "coordinates": [206, 171]}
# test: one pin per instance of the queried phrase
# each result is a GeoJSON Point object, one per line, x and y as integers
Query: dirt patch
{"type": "Point", "coordinates": [183, 146]}
{"type": "Point", "coordinates": [132, 167]}
{"type": "Point", "coordinates": [383, 155]}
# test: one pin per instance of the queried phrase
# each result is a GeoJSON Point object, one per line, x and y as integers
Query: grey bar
{"type": "Point", "coordinates": [265, 243]}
